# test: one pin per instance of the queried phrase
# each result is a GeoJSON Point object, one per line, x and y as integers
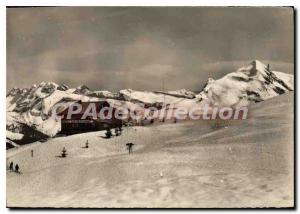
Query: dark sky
{"type": "Point", "coordinates": [136, 47]}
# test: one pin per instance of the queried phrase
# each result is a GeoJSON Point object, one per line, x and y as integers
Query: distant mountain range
{"type": "Point", "coordinates": [29, 108]}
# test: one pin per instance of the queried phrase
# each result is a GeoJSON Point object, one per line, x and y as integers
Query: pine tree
{"type": "Point", "coordinates": [108, 133]}
{"type": "Point", "coordinates": [117, 133]}
{"type": "Point", "coordinates": [64, 152]}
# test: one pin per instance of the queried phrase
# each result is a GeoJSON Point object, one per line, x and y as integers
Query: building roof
{"type": "Point", "coordinates": [85, 105]}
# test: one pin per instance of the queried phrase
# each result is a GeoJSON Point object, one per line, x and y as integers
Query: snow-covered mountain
{"type": "Point", "coordinates": [180, 93]}
{"type": "Point", "coordinates": [127, 94]}
{"type": "Point", "coordinates": [29, 108]}
{"type": "Point", "coordinates": [254, 82]}
{"type": "Point", "coordinates": [104, 94]}
{"type": "Point", "coordinates": [82, 89]}
{"type": "Point", "coordinates": [22, 100]}
{"type": "Point", "coordinates": [32, 107]}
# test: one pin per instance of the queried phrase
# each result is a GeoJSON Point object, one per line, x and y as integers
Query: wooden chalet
{"type": "Point", "coordinates": [76, 124]}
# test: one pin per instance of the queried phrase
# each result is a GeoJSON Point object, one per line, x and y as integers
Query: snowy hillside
{"type": "Point", "coordinates": [254, 82]}
{"type": "Point", "coordinates": [188, 164]}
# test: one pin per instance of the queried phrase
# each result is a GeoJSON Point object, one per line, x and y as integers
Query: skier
{"type": "Point", "coordinates": [87, 144]}
{"type": "Point", "coordinates": [31, 151]}
{"type": "Point", "coordinates": [11, 166]}
{"type": "Point", "coordinates": [129, 147]}
{"type": "Point", "coordinates": [17, 168]}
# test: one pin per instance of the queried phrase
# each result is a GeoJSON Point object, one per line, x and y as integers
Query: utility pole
{"type": "Point", "coordinates": [164, 100]}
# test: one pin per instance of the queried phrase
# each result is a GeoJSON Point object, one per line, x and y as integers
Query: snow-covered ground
{"type": "Point", "coordinates": [189, 164]}
{"type": "Point", "coordinates": [13, 135]}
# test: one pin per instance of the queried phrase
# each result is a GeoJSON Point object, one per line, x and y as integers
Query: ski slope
{"type": "Point", "coordinates": [189, 164]}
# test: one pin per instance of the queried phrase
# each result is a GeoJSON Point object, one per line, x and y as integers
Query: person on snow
{"type": "Point", "coordinates": [129, 147]}
{"type": "Point", "coordinates": [11, 166]}
{"type": "Point", "coordinates": [87, 144]}
{"type": "Point", "coordinates": [17, 168]}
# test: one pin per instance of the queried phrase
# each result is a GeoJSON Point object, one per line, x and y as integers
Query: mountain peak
{"type": "Point", "coordinates": [82, 86]}
{"type": "Point", "coordinates": [82, 89]}
{"type": "Point", "coordinates": [63, 87]}
{"type": "Point", "coordinates": [258, 65]}
{"type": "Point", "coordinates": [47, 84]}
{"type": "Point", "coordinates": [252, 82]}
